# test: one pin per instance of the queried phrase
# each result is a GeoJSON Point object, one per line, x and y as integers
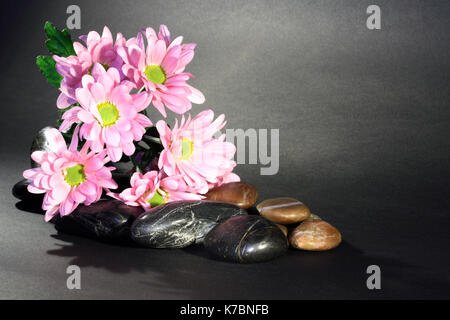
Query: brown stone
{"type": "Point", "coordinates": [314, 234]}
{"type": "Point", "coordinates": [283, 228]}
{"type": "Point", "coordinates": [283, 210]}
{"type": "Point", "coordinates": [241, 194]}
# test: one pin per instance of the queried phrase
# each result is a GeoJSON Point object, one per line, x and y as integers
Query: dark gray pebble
{"type": "Point", "coordinates": [108, 220]}
{"type": "Point", "coordinates": [180, 223]}
{"type": "Point", "coordinates": [246, 239]}
{"type": "Point", "coordinates": [20, 191]}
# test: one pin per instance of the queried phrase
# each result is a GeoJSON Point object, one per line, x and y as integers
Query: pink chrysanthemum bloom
{"type": "Point", "coordinates": [68, 177]}
{"type": "Point", "coordinates": [150, 190]}
{"type": "Point", "coordinates": [99, 49]}
{"type": "Point", "coordinates": [159, 67]}
{"type": "Point", "coordinates": [228, 178]}
{"type": "Point", "coordinates": [109, 113]}
{"type": "Point", "coordinates": [190, 150]}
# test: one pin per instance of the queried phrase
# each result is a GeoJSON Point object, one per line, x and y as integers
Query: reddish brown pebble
{"type": "Point", "coordinates": [283, 228]}
{"type": "Point", "coordinates": [283, 210]}
{"type": "Point", "coordinates": [241, 194]}
{"type": "Point", "coordinates": [314, 234]}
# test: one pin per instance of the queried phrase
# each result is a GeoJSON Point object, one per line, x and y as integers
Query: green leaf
{"type": "Point", "coordinates": [47, 66]}
{"type": "Point", "coordinates": [59, 42]}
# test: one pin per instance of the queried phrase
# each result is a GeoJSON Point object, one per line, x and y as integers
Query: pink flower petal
{"type": "Point", "coordinates": [64, 101]}
{"type": "Point", "coordinates": [50, 213]}
{"type": "Point", "coordinates": [111, 136]}
{"type": "Point", "coordinates": [98, 92]}
{"type": "Point", "coordinates": [196, 96]}
{"type": "Point", "coordinates": [158, 53]}
{"type": "Point", "coordinates": [34, 189]}
{"type": "Point", "coordinates": [60, 192]}
{"type": "Point", "coordinates": [115, 153]}
{"type": "Point", "coordinates": [38, 156]}
{"type": "Point", "coordinates": [84, 97]}
{"type": "Point", "coordinates": [56, 141]}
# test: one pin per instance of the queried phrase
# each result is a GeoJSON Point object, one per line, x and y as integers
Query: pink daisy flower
{"type": "Point", "coordinates": [68, 177]}
{"type": "Point", "coordinates": [99, 49]}
{"type": "Point", "coordinates": [150, 190]}
{"type": "Point", "coordinates": [228, 178]}
{"type": "Point", "coordinates": [109, 114]}
{"type": "Point", "coordinates": [191, 152]}
{"type": "Point", "coordinates": [159, 67]}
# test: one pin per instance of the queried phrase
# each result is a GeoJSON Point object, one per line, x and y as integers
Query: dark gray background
{"type": "Point", "coordinates": [364, 142]}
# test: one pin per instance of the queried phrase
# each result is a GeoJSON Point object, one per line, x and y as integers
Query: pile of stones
{"type": "Point", "coordinates": [227, 224]}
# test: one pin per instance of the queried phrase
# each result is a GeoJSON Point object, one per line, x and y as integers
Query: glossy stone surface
{"type": "Point", "coordinates": [180, 223]}
{"type": "Point", "coordinates": [246, 239]}
{"type": "Point", "coordinates": [283, 228]}
{"type": "Point", "coordinates": [122, 179]}
{"type": "Point", "coordinates": [40, 142]}
{"type": "Point", "coordinates": [314, 234]}
{"type": "Point", "coordinates": [103, 220]}
{"type": "Point", "coordinates": [20, 191]}
{"type": "Point", "coordinates": [241, 194]}
{"type": "Point", "coordinates": [283, 210]}
{"type": "Point", "coordinates": [122, 174]}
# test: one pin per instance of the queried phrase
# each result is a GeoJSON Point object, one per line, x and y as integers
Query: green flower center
{"type": "Point", "coordinates": [157, 199]}
{"type": "Point", "coordinates": [155, 74]}
{"type": "Point", "coordinates": [187, 147]}
{"type": "Point", "coordinates": [74, 175]}
{"type": "Point", "coordinates": [109, 113]}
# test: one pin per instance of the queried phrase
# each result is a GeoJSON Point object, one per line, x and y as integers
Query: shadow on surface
{"type": "Point", "coordinates": [192, 272]}
{"type": "Point", "coordinates": [30, 206]}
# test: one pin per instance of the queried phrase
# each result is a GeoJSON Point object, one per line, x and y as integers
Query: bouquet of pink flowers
{"type": "Point", "coordinates": [105, 88]}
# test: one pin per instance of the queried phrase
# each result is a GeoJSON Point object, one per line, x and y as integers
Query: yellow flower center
{"type": "Point", "coordinates": [187, 147]}
{"type": "Point", "coordinates": [155, 74]}
{"type": "Point", "coordinates": [74, 175]}
{"type": "Point", "coordinates": [157, 199]}
{"type": "Point", "coordinates": [108, 113]}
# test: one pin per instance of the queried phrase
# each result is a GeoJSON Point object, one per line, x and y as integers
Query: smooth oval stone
{"type": "Point", "coordinates": [179, 224]}
{"type": "Point", "coordinates": [241, 194]}
{"type": "Point", "coordinates": [314, 234]}
{"type": "Point", "coordinates": [104, 220]}
{"type": "Point", "coordinates": [21, 192]}
{"type": "Point", "coordinates": [40, 142]}
{"type": "Point", "coordinates": [283, 210]}
{"type": "Point", "coordinates": [283, 228]}
{"type": "Point", "coordinates": [246, 239]}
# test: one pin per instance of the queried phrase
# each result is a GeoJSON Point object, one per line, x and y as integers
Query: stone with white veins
{"type": "Point", "coordinates": [179, 224]}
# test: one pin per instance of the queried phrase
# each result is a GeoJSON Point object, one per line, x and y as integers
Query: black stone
{"type": "Point", "coordinates": [180, 223]}
{"type": "Point", "coordinates": [107, 220]}
{"type": "Point", "coordinates": [122, 179]}
{"type": "Point", "coordinates": [41, 143]}
{"type": "Point", "coordinates": [246, 239]}
{"type": "Point", "coordinates": [20, 191]}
